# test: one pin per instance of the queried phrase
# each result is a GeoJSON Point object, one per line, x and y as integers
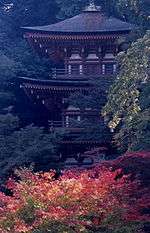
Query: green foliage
{"type": "Point", "coordinates": [22, 147]}
{"type": "Point", "coordinates": [30, 144]}
{"type": "Point", "coordinates": [27, 212]}
{"type": "Point", "coordinates": [20, 60]}
{"type": "Point", "coordinates": [119, 226]}
{"type": "Point", "coordinates": [25, 13]}
{"type": "Point", "coordinates": [128, 99]}
{"type": "Point", "coordinates": [8, 68]}
{"type": "Point", "coordinates": [70, 8]}
{"type": "Point", "coordinates": [136, 11]}
{"type": "Point", "coordinates": [17, 59]}
{"type": "Point", "coordinates": [7, 101]}
{"type": "Point", "coordinates": [8, 124]}
{"type": "Point", "coordinates": [31, 65]}
{"type": "Point", "coordinates": [53, 227]}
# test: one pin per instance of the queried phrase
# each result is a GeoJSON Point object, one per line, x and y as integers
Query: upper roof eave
{"type": "Point", "coordinates": [40, 32]}
{"type": "Point", "coordinates": [87, 22]}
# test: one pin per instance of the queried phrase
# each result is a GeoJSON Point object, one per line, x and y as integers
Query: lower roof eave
{"type": "Point", "coordinates": [59, 85]}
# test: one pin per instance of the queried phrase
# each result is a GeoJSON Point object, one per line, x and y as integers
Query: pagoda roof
{"type": "Point", "coordinates": [62, 84]}
{"type": "Point", "coordinates": [54, 82]}
{"type": "Point", "coordinates": [89, 21]}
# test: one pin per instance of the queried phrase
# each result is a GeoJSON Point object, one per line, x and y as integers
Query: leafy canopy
{"type": "Point", "coordinates": [88, 201]}
{"type": "Point", "coordinates": [128, 100]}
{"type": "Point", "coordinates": [26, 146]}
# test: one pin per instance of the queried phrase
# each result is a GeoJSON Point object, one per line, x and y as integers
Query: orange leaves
{"type": "Point", "coordinates": [79, 199]}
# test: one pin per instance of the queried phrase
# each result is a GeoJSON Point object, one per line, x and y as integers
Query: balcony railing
{"type": "Point", "coordinates": [62, 73]}
{"type": "Point", "coordinates": [60, 124]}
{"type": "Point", "coordinates": [76, 74]}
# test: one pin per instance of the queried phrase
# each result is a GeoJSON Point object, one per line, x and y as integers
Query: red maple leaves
{"type": "Point", "coordinates": [87, 200]}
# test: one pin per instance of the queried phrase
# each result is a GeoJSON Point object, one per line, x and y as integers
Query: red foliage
{"type": "Point", "coordinates": [135, 163]}
{"type": "Point", "coordinates": [80, 200]}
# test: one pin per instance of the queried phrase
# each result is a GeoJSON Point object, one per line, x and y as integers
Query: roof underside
{"type": "Point", "coordinates": [85, 22]}
{"type": "Point", "coordinates": [53, 82]}
{"type": "Point", "coordinates": [63, 84]}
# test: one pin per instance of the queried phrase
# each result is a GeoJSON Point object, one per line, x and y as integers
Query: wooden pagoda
{"type": "Point", "coordinates": [82, 47]}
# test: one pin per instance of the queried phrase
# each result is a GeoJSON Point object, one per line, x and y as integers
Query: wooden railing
{"type": "Point", "coordinates": [52, 125]}
{"type": "Point", "coordinates": [75, 74]}
{"type": "Point", "coordinates": [62, 73]}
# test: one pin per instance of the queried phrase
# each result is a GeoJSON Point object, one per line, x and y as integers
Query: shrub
{"type": "Point", "coordinates": [89, 201]}
{"type": "Point", "coordinates": [135, 163]}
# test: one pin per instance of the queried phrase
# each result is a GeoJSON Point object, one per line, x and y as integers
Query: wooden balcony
{"type": "Point", "coordinates": [76, 74]}
{"type": "Point", "coordinates": [54, 125]}
{"type": "Point", "coordinates": [63, 74]}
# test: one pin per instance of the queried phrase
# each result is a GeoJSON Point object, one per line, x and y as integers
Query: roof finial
{"type": "Point", "coordinates": [91, 6]}
{"type": "Point", "coordinates": [92, 3]}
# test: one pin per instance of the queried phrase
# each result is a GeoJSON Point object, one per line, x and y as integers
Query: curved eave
{"type": "Point", "coordinates": [53, 81]}
{"type": "Point", "coordinates": [67, 33]}
{"type": "Point", "coordinates": [68, 37]}
{"type": "Point", "coordinates": [81, 142]}
{"type": "Point", "coordinates": [61, 84]}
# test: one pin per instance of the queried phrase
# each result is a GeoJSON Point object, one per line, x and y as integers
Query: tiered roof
{"type": "Point", "coordinates": [91, 20]}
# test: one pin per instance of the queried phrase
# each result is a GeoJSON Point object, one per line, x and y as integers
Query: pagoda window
{"type": "Point", "coordinates": [79, 118]}
{"type": "Point", "coordinates": [103, 69]}
{"type": "Point", "coordinates": [75, 69]}
{"type": "Point", "coordinates": [69, 69]}
{"type": "Point", "coordinates": [114, 68]}
{"type": "Point", "coordinates": [67, 121]}
{"type": "Point", "coordinates": [70, 118]}
{"type": "Point", "coordinates": [75, 63]}
{"type": "Point", "coordinates": [81, 69]}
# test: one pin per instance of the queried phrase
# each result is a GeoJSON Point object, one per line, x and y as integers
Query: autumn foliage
{"type": "Point", "coordinates": [97, 200]}
{"type": "Point", "coordinates": [137, 164]}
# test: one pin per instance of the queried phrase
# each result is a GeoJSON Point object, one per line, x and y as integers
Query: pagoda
{"type": "Point", "coordinates": [82, 48]}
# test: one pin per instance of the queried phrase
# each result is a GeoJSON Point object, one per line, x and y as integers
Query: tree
{"type": "Point", "coordinates": [8, 68]}
{"type": "Point", "coordinates": [16, 55]}
{"type": "Point", "coordinates": [135, 11]}
{"type": "Point", "coordinates": [17, 145]}
{"type": "Point", "coordinates": [16, 14]}
{"type": "Point", "coordinates": [96, 200]}
{"type": "Point", "coordinates": [128, 100]}
{"type": "Point", "coordinates": [137, 164]}
{"type": "Point", "coordinates": [31, 65]}
{"type": "Point", "coordinates": [26, 146]}
{"type": "Point", "coordinates": [7, 101]}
